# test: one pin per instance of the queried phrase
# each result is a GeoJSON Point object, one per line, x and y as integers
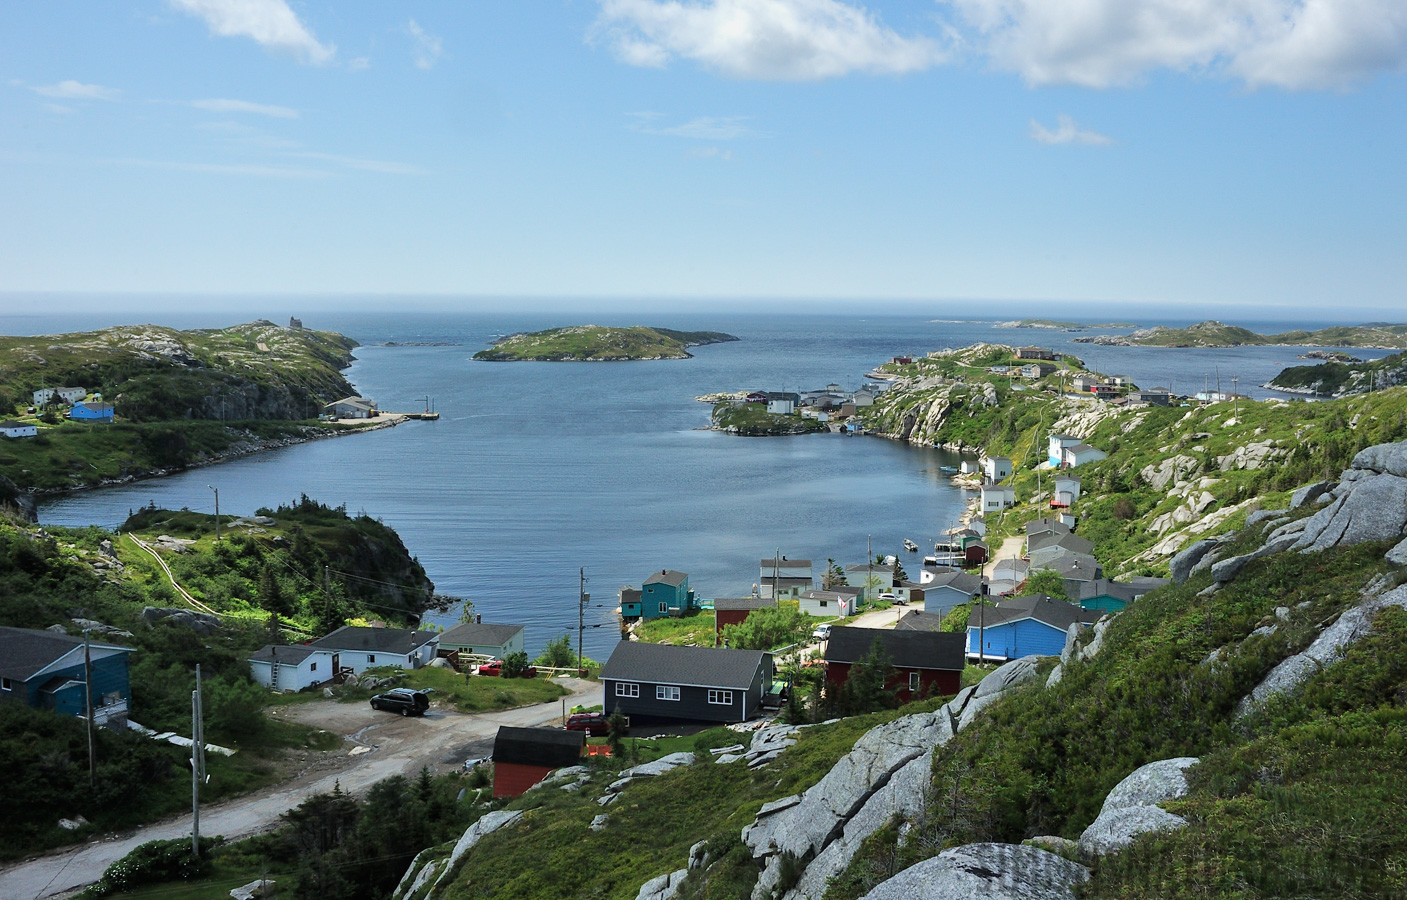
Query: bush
{"type": "Point", "coordinates": [156, 861]}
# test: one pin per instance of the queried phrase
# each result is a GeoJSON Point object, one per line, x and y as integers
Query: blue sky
{"type": "Point", "coordinates": [1210, 152]}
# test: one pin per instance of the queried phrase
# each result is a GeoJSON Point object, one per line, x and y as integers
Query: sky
{"type": "Point", "coordinates": [1231, 154]}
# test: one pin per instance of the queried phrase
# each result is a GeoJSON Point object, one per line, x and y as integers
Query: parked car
{"type": "Point", "coordinates": [473, 761]}
{"type": "Point", "coordinates": [595, 724]}
{"type": "Point", "coordinates": [402, 700]}
{"type": "Point", "coordinates": [822, 633]}
{"type": "Point", "coordinates": [889, 597]}
{"type": "Point", "coordinates": [495, 668]}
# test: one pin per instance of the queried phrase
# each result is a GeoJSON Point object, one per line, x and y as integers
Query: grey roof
{"type": "Point", "coordinates": [1052, 612]}
{"type": "Point", "coordinates": [1042, 540]}
{"type": "Point", "coordinates": [11, 423]}
{"type": "Point", "coordinates": [785, 563]}
{"type": "Point", "coordinates": [481, 633]}
{"type": "Point", "coordinates": [998, 459]}
{"type": "Point", "coordinates": [1017, 567]}
{"type": "Point", "coordinates": [386, 640]}
{"type": "Point", "coordinates": [1080, 566]}
{"type": "Point", "coordinates": [829, 595]}
{"type": "Point", "coordinates": [629, 595]}
{"type": "Point", "coordinates": [1081, 448]}
{"type": "Point", "coordinates": [693, 666]}
{"type": "Point", "coordinates": [24, 651]}
{"type": "Point", "coordinates": [1038, 526]}
{"type": "Point", "coordinates": [919, 620]}
{"type": "Point", "coordinates": [666, 576]}
{"type": "Point", "coordinates": [1103, 587]}
{"type": "Point", "coordinates": [735, 603]}
{"type": "Point", "coordinates": [908, 649]}
{"type": "Point", "coordinates": [353, 401]}
{"type": "Point", "coordinates": [787, 581]}
{"type": "Point", "coordinates": [291, 654]}
{"type": "Point", "coordinates": [958, 581]}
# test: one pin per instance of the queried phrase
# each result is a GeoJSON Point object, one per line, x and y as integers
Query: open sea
{"type": "Point", "coordinates": [538, 470]}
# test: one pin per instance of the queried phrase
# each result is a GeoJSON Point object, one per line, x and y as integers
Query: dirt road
{"type": "Point", "coordinates": [396, 745]}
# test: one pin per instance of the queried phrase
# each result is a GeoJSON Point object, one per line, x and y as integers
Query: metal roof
{"type": "Point", "coordinates": [692, 666]}
{"type": "Point", "coordinates": [25, 651]}
{"type": "Point", "coordinates": [481, 633]}
{"type": "Point", "coordinates": [386, 640]}
{"type": "Point", "coordinates": [666, 576]}
{"type": "Point", "coordinates": [285, 653]}
{"type": "Point", "coordinates": [735, 603]}
{"type": "Point", "coordinates": [1044, 609]}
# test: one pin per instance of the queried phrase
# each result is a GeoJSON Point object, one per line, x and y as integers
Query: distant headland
{"type": "Point", "coordinates": [1379, 335]}
{"type": "Point", "coordinates": [600, 343]}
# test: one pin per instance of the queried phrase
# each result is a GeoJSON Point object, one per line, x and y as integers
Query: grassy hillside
{"type": "Point", "coordinates": [598, 343]}
{"type": "Point", "coordinates": [1339, 379]}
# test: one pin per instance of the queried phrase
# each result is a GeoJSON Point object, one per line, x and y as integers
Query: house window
{"type": "Point", "coordinates": [624, 689]}
{"type": "Point", "coordinates": [824, 604]}
{"type": "Point", "coordinates": [913, 681]}
{"type": "Point", "coordinates": [370, 658]}
{"type": "Point", "coordinates": [664, 607]}
{"type": "Point", "coordinates": [721, 698]}
{"type": "Point", "coordinates": [666, 692]}
{"type": "Point", "coordinates": [5, 684]}
{"type": "Point", "coordinates": [313, 667]}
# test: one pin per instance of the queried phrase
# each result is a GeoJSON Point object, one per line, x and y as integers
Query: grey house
{"type": "Point", "coordinates": [660, 681]}
{"type": "Point", "coordinates": [482, 638]}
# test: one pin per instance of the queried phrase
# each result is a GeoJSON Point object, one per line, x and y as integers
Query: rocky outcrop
{"type": "Point", "coordinates": [199, 622]}
{"type": "Point", "coordinates": [986, 871]}
{"type": "Point", "coordinates": [1169, 471]}
{"type": "Point", "coordinates": [1131, 808]}
{"type": "Point", "coordinates": [486, 825]}
{"type": "Point", "coordinates": [1351, 627]}
{"type": "Point", "coordinates": [1182, 564]}
{"type": "Point", "coordinates": [1370, 502]}
{"type": "Point", "coordinates": [885, 775]}
{"type": "Point", "coordinates": [663, 887]}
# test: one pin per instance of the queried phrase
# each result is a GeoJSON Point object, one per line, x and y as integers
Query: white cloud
{"type": "Point", "coordinates": [706, 128]}
{"type": "Point", "coordinates": [359, 63]}
{"type": "Point", "coordinates": [1066, 131]}
{"type": "Point", "coordinates": [58, 109]}
{"type": "Point", "coordinates": [270, 23]}
{"type": "Point", "coordinates": [244, 106]}
{"type": "Point", "coordinates": [428, 48]}
{"type": "Point", "coordinates": [260, 171]}
{"type": "Point", "coordinates": [1296, 44]}
{"type": "Point", "coordinates": [785, 40]}
{"type": "Point", "coordinates": [76, 90]}
{"type": "Point", "coordinates": [712, 153]}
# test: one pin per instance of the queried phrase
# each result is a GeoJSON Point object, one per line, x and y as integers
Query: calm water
{"type": "Point", "coordinates": [537, 469]}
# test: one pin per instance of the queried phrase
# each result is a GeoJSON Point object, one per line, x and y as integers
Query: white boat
{"type": "Point", "coordinates": [910, 546]}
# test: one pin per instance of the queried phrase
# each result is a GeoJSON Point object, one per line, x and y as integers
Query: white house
{"type": "Point", "coordinates": [358, 648]}
{"type": "Point", "coordinates": [781, 406]}
{"type": "Point", "coordinates": [284, 668]}
{"type": "Point", "coordinates": [1067, 491]}
{"type": "Point", "coordinates": [68, 394]}
{"type": "Point", "coordinates": [352, 408]}
{"type": "Point", "coordinates": [12, 429]}
{"type": "Point", "coordinates": [828, 603]}
{"type": "Point", "coordinates": [948, 590]}
{"type": "Point", "coordinates": [997, 497]}
{"type": "Point", "coordinates": [1079, 454]}
{"type": "Point", "coordinates": [483, 639]}
{"type": "Point", "coordinates": [870, 579]}
{"type": "Point", "coordinates": [1058, 443]}
{"type": "Point", "coordinates": [969, 467]}
{"type": "Point", "coordinates": [996, 468]}
{"type": "Point", "coordinates": [782, 577]}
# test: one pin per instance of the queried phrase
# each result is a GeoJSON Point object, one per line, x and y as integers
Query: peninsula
{"type": "Point", "coordinates": [1378, 335]}
{"type": "Point", "coordinates": [600, 343]}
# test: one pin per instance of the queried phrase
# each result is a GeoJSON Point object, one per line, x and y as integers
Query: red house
{"type": "Point", "coordinates": [524, 756]}
{"type": "Point", "coordinates": [734, 611]}
{"type": "Point", "coordinates": [927, 663]}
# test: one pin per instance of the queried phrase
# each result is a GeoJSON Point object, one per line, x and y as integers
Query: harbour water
{"type": "Point", "coordinates": [536, 470]}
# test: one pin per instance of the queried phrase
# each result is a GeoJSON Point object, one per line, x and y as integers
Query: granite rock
{"type": "Point", "coordinates": [986, 871]}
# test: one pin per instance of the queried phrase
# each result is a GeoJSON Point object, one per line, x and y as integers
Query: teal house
{"type": "Point", "coordinates": [1105, 596]}
{"type": "Point", "coordinates": [664, 593]}
{"type": "Point", "coordinates": [46, 670]}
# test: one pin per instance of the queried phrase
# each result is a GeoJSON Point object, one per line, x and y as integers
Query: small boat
{"type": "Point", "coordinates": [910, 546]}
{"type": "Point", "coordinates": [951, 470]}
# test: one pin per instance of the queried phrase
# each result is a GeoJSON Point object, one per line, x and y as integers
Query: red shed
{"type": "Point", "coordinates": [734, 611]}
{"type": "Point", "coordinates": [921, 662]}
{"type": "Point", "coordinates": [524, 756]}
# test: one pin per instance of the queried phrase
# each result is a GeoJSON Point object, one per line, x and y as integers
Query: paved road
{"type": "Point", "coordinates": [398, 745]}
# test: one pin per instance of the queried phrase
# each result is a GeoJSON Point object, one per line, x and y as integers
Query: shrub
{"type": "Point", "coordinates": [156, 861]}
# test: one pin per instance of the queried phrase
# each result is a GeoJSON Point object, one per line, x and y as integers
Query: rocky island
{"type": "Point", "coordinates": [1373, 335]}
{"type": "Point", "coordinates": [600, 343]}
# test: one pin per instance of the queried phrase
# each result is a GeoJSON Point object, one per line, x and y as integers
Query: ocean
{"type": "Point", "coordinates": [536, 471]}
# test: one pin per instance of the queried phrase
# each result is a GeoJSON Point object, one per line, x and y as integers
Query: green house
{"type": "Point", "coordinates": [666, 593]}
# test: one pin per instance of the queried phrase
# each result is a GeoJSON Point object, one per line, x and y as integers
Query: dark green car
{"type": "Point", "coordinates": [402, 700]}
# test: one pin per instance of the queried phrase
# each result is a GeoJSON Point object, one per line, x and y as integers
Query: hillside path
{"type": "Point", "coordinates": [441, 740]}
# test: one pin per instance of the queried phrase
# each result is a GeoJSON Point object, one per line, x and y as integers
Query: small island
{"type": "Point", "coordinates": [1057, 325]}
{"type": "Point", "coordinates": [600, 343]}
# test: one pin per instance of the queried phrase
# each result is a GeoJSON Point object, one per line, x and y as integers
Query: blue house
{"type": "Point", "coordinates": [1026, 626]}
{"type": "Point", "coordinates": [45, 670]}
{"type": "Point", "coordinates": [666, 593]}
{"type": "Point", "coordinates": [1107, 596]}
{"type": "Point", "coordinates": [91, 411]}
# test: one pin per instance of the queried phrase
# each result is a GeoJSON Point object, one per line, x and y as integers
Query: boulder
{"type": "Point", "coordinates": [599, 822]}
{"type": "Point", "coordinates": [486, 825]}
{"type": "Point", "coordinates": [1056, 674]}
{"type": "Point", "coordinates": [1131, 809]}
{"type": "Point", "coordinates": [987, 871]}
{"type": "Point", "coordinates": [1308, 494]}
{"type": "Point", "coordinates": [1169, 471]}
{"type": "Point", "coordinates": [659, 766]}
{"type": "Point", "coordinates": [1181, 564]}
{"type": "Point", "coordinates": [1373, 509]}
{"type": "Point", "coordinates": [199, 622]}
{"type": "Point", "coordinates": [1007, 676]}
{"type": "Point", "coordinates": [1328, 648]}
{"type": "Point", "coordinates": [1389, 458]}
{"type": "Point", "coordinates": [1263, 515]}
{"type": "Point", "coordinates": [255, 890]}
{"type": "Point", "coordinates": [698, 856]}
{"type": "Point", "coordinates": [1072, 640]}
{"type": "Point", "coordinates": [1398, 555]}
{"type": "Point", "coordinates": [663, 887]}
{"type": "Point", "coordinates": [1091, 650]}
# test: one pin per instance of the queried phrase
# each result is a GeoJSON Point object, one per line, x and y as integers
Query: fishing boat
{"type": "Point", "coordinates": [951, 470]}
{"type": "Point", "coordinates": [910, 546]}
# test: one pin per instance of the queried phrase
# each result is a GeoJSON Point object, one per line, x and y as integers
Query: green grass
{"type": "Point", "coordinates": [598, 342]}
{"type": "Point", "coordinates": [476, 693]}
{"type": "Point", "coordinates": [694, 630]}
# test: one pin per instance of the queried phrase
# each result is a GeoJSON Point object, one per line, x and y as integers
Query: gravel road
{"type": "Point", "coordinates": [396, 745]}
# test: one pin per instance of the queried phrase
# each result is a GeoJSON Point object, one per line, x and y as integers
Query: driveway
{"type": "Point", "coordinates": [394, 745]}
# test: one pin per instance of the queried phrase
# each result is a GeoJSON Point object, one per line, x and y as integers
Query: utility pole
{"type": "Point", "coordinates": [869, 564]}
{"type": "Point", "coordinates": [584, 599]}
{"type": "Point", "coordinates": [776, 573]}
{"type": "Point", "coordinates": [217, 511]}
{"type": "Point", "coordinates": [1235, 397]}
{"type": "Point", "coordinates": [88, 711]}
{"type": "Point", "coordinates": [197, 762]}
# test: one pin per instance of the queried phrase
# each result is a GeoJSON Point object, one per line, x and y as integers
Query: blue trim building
{"type": "Point", "coordinates": [45, 670]}
{"type": "Point", "coordinates": [1027, 626]}
{"type": "Point", "coordinates": [663, 593]}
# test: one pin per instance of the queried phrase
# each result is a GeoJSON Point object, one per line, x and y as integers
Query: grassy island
{"type": "Point", "coordinates": [753, 420]}
{"type": "Point", "coordinates": [600, 343]}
